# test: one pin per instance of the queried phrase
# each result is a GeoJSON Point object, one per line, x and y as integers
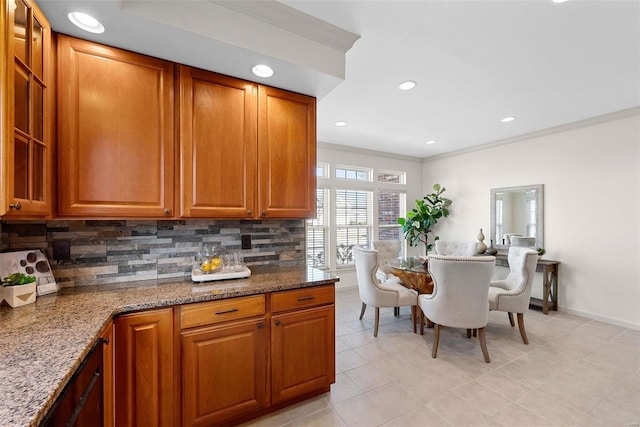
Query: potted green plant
{"type": "Point", "coordinates": [18, 289]}
{"type": "Point", "coordinates": [419, 221]}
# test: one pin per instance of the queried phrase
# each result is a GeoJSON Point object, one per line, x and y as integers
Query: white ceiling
{"type": "Point", "coordinates": [475, 62]}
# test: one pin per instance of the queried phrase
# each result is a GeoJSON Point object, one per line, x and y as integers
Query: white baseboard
{"type": "Point", "coordinates": [605, 319]}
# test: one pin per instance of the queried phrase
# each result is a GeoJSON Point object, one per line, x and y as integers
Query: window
{"type": "Point", "coordinates": [354, 223]}
{"type": "Point", "coordinates": [392, 177]}
{"type": "Point", "coordinates": [355, 205]}
{"type": "Point", "coordinates": [391, 206]}
{"type": "Point", "coordinates": [318, 231]}
{"type": "Point", "coordinates": [353, 173]}
{"type": "Point", "coordinates": [322, 170]}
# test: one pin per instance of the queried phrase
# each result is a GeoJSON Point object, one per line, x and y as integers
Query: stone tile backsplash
{"type": "Point", "coordinates": [112, 251]}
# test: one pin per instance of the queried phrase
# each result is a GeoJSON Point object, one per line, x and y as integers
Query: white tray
{"type": "Point", "coordinates": [198, 276]}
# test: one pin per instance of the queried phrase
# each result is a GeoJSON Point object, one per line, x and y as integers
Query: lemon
{"type": "Point", "coordinates": [215, 262]}
{"type": "Point", "coordinates": [205, 266]}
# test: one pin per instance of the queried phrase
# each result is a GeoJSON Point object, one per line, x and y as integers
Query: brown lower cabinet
{"type": "Point", "coordinates": [107, 379]}
{"type": "Point", "coordinates": [144, 368]}
{"type": "Point", "coordinates": [238, 358]}
{"type": "Point", "coordinates": [302, 352]}
{"type": "Point", "coordinates": [223, 372]}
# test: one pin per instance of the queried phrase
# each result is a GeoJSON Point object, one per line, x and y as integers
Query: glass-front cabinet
{"type": "Point", "coordinates": [26, 110]}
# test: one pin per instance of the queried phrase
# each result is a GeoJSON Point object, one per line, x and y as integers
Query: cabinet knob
{"type": "Point", "coordinates": [17, 206]}
{"type": "Point", "coordinates": [105, 341]}
{"type": "Point", "coordinates": [264, 213]}
{"type": "Point", "coordinates": [277, 323]}
{"type": "Point", "coordinates": [167, 212]}
{"type": "Point", "coordinates": [249, 212]}
{"type": "Point", "coordinates": [260, 325]}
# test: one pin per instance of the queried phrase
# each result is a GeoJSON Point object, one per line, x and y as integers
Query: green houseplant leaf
{"type": "Point", "coordinates": [428, 211]}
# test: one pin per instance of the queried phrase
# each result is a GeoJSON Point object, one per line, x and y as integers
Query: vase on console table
{"type": "Point", "coordinates": [491, 250]}
{"type": "Point", "coordinates": [481, 246]}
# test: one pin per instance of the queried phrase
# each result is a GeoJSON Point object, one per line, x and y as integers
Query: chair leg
{"type": "Point", "coordinates": [475, 332]}
{"type": "Point", "coordinates": [421, 322]}
{"type": "Point", "coordinates": [468, 333]}
{"type": "Point", "coordinates": [375, 328]}
{"type": "Point", "coordinates": [364, 307]}
{"type": "Point", "coordinates": [523, 333]}
{"type": "Point", "coordinates": [436, 340]}
{"type": "Point", "coordinates": [511, 319]}
{"type": "Point", "coordinates": [396, 311]}
{"type": "Point", "coordinates": [483, 345]}
{"type": "Point", "coordinates": [413, 318]}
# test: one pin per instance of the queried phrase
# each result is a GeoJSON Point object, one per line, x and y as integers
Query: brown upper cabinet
{"type": "Point", "coordinates": [246, 150]}
{"type": "Point", "coordinates": [286, 154]}
{"type": "Point", "coordinates": [115, 132]}
{"type": "Point", "coordinates": [218, 135]}
{"type": "Point", "coordinates": [25, 110]}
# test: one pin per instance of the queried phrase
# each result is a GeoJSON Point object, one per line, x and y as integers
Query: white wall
{"type": "Point", "coordinates": [591, 201]}
{"type": "Point", "coordinates": [335, 154]}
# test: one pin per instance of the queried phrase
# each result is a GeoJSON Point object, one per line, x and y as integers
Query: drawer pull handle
{"type": "Point", "coordinates": [305, 299]}
{"type": "Point", "coordinates": [226, 311]}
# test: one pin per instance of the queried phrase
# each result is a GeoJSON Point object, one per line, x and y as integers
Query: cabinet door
{"type": "Point", "coordinates": [115, 124]}
{"type": "Point", "coordinates": [26, 121]}
{"type": "Point", "coordinates": [217, 145]}
{"type": "Point", "coordinates": [223, 372]}
{"type": "Point", "coordinates": [108, 375]}
{"type": "Point", "coordinates": [144, 367]}
{"type": "Point", "coordinates": [286, 154]}
{"type": "Point", "coordinates": [302, 352]}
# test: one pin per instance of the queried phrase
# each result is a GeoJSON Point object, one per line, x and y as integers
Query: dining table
{"type": "Point", "coordinates": [419, 279]}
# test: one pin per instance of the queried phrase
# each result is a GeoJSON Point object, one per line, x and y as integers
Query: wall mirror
{"type": "Point", "coordinates": [517, 212]}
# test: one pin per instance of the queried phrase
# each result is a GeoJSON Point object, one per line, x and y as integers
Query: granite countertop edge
{"type": "Point", "coordinates": [36, 361]}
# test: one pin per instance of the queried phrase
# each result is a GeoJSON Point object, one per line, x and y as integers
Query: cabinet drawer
{"type": "Point", "coordinates": [301, 298]}
{"type": "Point", "coordinates": [206, 313]}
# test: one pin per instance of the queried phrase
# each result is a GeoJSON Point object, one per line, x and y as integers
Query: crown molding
{"type": "Point", "coordinates": [629, 112]}
{"type": "Point", "coordinates": [355, 150]}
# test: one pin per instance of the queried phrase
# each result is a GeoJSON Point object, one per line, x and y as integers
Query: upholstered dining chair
{"type": "Point", "coordinates": [380, 294]}
{"type": "Point", "coordinates": [513, 293]}
{"type": "Point", "coordinates": [388, 253]}
{"type": "Point", "coordinates": [453, 248]}
{"type": "Point", "coordinates": [460, 286]}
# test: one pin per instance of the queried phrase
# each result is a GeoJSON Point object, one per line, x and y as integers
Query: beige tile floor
{"type": "Point", "coordinates": [574, 372]}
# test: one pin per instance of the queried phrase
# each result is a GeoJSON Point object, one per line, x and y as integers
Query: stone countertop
{"type": "Point", "coordinates": [42, 344]}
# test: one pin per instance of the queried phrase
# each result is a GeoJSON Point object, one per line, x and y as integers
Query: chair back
{"type": "Point", "coordinates": [388, 252]}
{"type": "Point", "coordinates": [522, 266]}
{"type": "Point", "coordinates": [371, 291]}
{"type": "Point", "coordinates": [453, 248]}
{"type": "Point", "coordinates": [461, 290]}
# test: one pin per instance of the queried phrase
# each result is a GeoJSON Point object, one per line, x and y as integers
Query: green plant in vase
{"type": "Point", "coordinates": [421, 219]}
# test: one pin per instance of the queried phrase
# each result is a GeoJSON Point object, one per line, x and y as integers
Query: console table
{"type": "Point", "coordinates": [549, 270]}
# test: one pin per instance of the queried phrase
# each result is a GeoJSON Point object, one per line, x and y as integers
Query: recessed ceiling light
{"type": "Point", "coordinates": [558, 1]}
{"type": "Point", "coordinates": [508, 119]}
{"type": "Point", "coordinates": [431, 142]}
{"type": "Point", "coordinates": [262, 70]}
{"type": "Point", "coordinates": [86, 22]}
{"type": "Point", "coordinates": [408, 85]}
{"type": "Point", "coordinates": [340, 123]}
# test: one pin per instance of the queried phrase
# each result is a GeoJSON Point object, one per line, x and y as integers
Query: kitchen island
{"type": "Point", "coordinates": [42, 344]}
